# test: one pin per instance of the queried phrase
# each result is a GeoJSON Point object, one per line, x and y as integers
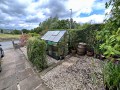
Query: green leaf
{"type": "Point", "coordinates": [118, 38]}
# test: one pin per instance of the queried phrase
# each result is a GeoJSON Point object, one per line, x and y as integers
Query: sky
{"type": "Point", "coordinates": [19, 14]}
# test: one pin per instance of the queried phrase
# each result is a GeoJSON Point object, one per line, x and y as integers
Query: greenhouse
{"type": "Point", "coordinates": [57, 43]}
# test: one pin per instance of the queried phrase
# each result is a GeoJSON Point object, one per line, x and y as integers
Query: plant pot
{"type": "Point", "coordinates": [97, 56]}
{"type": "Point", "coordinates": [116, 56]}
{"type": "Point", "coordinates": [102, 57]}
{"type": "Point", "coordinates": [107, 88]}
{"type": "Point", "coordinates": [90, 53]}
{"type": "Point", "coordinates": [81, 49]}
{"type": "Point", "coordinates": [73, 52]}
{"type": "Point", "coordinates": [117, 61]}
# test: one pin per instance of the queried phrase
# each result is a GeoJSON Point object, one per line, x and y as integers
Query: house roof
{"type": "Point", "coordinates": [54, 36]}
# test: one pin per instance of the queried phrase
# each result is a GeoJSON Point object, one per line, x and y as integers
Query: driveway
{"type": "Point", "coordinates": [17, 74]}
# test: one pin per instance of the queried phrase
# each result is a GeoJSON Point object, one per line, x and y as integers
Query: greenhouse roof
{"type": "Point", "coordinates": [54, 36]}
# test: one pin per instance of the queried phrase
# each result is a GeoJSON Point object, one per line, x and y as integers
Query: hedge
{"type": "Point", "coordinates": [36, 51]}
{"type": "Point", "coordinates": [87, 35]}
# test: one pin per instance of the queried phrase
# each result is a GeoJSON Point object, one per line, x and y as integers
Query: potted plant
{"type": "Point", "coordinates": [90, 51]}
{"type": "Point", "coordinates": [73, 42]}
{"type": "Point", "coordinates": [96, 53]}
{"type": "Point", "coordinates": [73, 51]}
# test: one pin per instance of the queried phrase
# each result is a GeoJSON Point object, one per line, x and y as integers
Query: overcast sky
{"type": "Point", "coordinates": [19, 14]}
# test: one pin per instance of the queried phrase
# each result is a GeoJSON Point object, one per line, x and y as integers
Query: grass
{"type": "Point", "coordinates": [5, 37]}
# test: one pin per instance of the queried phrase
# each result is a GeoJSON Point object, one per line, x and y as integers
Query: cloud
{"type": "Point", "coordinates": [18, 14]}
{"type": "Point", "coordinates": [95, 18]}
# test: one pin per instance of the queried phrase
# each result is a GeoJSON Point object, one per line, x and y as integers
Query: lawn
{"type": "Point", "coordinates": [4, 37]}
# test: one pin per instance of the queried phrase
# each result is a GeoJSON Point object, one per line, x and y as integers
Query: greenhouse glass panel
{"type": "Point", "coordinates": [54, 36]}
{"type": "Point", "coordinates": [59, 36]}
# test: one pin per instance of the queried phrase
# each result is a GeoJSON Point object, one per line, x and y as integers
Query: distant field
{"type": "Point", "coordinates": [5, 37]}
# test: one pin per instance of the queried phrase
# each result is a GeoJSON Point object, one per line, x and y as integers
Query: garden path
{"type": "Point", "coordinates": [76, 73]}
{"type": "Point", "coordinates": [17, 73]}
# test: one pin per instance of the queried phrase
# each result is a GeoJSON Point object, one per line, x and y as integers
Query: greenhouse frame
{"type": "Point", "coordinates": [57, 43]}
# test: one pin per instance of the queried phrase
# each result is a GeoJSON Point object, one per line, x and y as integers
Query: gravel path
{"type": "Point", "coordinates": [83, 73]}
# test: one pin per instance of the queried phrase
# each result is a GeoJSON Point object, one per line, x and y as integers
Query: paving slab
{"type": "Point", "coordinates": [13, 87]}
{"type": "Point", "coordinates": [30, 83]}
{"type": "Point", "coordinates": [8, 81]}
{"type": "Point", "coordinates": [25, 74]}
{"type": "Point", "coordinates": [17, 73]}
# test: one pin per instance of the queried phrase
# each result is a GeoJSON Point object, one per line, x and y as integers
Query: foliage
{"type": "Point", "coordinates": [36, 51]}
{"type": "Point", "coordinates": [36, 30]}
{"type": "Point", "coordinates": [53, 23]}
{"type": "Point", "coordinates": [111, 73]}
{"type": "Point", "coordinates": [33, 34]}
{"type": "Point", "coordinates": [86, 34]}
{"type": "Point", "coordinates": [23, 39]}
{"type": "Point", "coordinates": [16, 32]}
{"type": "Point", "coordinates": [110, 34]}
{"type": "Point", "coordinates": [1, 30]}
{"type": "Point", "coordinates": [111, 46]}
{"type": "Point", "coordinates": [63, 24]}
{"type": "Point", "coordinates": [73, 39]}
{"type": "Point", "coordinates": [25, 31]}
{"type": "Point", "coordinates": [8, 37]}
{"type": "Point", "coordinates": [114, 20]}
{"type": "Point", "coordinates": [109, 37]}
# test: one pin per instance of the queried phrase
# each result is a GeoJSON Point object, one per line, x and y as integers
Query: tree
{"type": "Point", "coordinates": [110, 34]}
{"type": "Point", "coordinates": [16, 32]}
{"type": "Point", "coordinates": [25, 31]}
{"type": "Point", "coordinates": [63, 24]}
{"type": "Point", "coordinates": [113, 23]}
{"type": "Point", "coordinates": [1, 31]}
{"type": "Point", "coordinates": [54, 23]}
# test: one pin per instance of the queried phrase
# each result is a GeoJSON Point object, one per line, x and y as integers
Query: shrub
{"type": "Point", "coordinates": [111, 73]}
{"type": "Point", "coordinates": [73, 40]}
{"type": "Point", "coordinates": [36, 51]}
{"type": "Point", "coordinates": [23, 39]}
{"type": "Point", "coordinates": [86, 35]}
{"type": "Point", "coordinates": [34, 34]}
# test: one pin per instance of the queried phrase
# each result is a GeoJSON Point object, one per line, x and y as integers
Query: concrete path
{"type": "Point", "coordinates": [17, 74]}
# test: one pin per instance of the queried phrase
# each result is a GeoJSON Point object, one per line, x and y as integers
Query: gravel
{"type": "Point", "coordinates": [83, 73]}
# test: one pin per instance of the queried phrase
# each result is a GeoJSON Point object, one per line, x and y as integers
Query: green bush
{"type": "Point", "coordinates": [111, 73]}
{"type": "Point", "coordinates": [34, 34]}
{"type": "Point", "coordinates": [86, 35]}
{"type": "Point", "coordinates": [73, 40]}
{"type": "Point", "coordinates": [36, 51]}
